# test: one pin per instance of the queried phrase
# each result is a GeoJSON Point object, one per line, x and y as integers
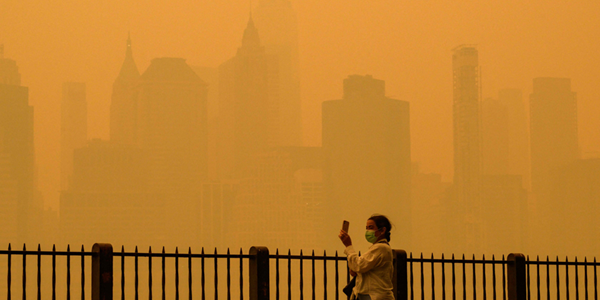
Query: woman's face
{"type": "Point", "coordinates": [372, 226]}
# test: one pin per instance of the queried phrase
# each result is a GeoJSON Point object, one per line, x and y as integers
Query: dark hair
{"type": "Point", "coordinates": [382, 221]}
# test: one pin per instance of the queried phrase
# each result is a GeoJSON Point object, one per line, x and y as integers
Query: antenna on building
{"type": "Point", "coordinates": [250, 8]}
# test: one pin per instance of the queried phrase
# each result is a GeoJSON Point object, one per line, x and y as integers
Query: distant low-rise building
{"type": "Point", "coordinates": [109, 198]}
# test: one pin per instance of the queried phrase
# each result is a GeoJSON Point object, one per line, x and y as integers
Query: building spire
{"type": "Point", "coordinates": [129, 52]}
{"type": "Point", "coordinates": [251, 38]}
{"type": "Point", "coordinates": [129, 70]}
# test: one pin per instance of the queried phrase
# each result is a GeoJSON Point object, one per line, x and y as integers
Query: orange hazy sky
{"type": "Point", "coordinates": [407, 43]}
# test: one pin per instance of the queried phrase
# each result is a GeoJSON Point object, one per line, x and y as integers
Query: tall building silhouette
{"type": "Point", "coordinates": [276, 20]}
{"type": "Point", "coordinates": [247, 114]}
{"type": "Point", "coordinates": [16, 154]}
{"type": "Point", "coordinates": [73, 127]}
{"type": "Point", "coordinates": [467, 145]}
{"type": "Point", "coordinates": [554, 147]}
{"type": "Point", "coordinates": [495, 137]}
{"type": "Point", "coordinates": [123, 106]}
{"type": "Point", "coordinates": [553, 123]}
{"type": "Point", "coordinates": [366, 148]}
{"type": "Point", "coordinates": [502, 189]}
{"type": "Point", "coordinates": [518, 133]}
{"type": "Point", "coordinates": [9, 72]}
{"type": "Point", "coordinates": [171, 124]}
{"type": "Point", "coordinates": [211, 77]}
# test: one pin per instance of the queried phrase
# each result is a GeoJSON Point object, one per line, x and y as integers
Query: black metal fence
{"type": "Point", "coordinates": [23, 266]}
{"type": "Point", "coordinates": [261, 275]}
{"type": "Point", "coordinates": [457, 278]}
{"type": "Point", "coordinates": [555, 279]}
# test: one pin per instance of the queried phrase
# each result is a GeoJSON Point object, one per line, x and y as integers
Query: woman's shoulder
{"type": "Point", "coordinates": [381, 245]}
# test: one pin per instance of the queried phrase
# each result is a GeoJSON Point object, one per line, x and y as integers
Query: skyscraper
{"type": "Point", "coordinates": [366, 148]}
{"type": "Point", "coordinates": [122, 106]}
{"type": "Point", "coordinates": [503, 151]}
{"type": "Point", "coordinates": [171, 124]}
{"type": "Point", "coordinates": [553, 123]}
{"type": "Point", "coordinates": [9, 72]}
{"type": "Point", "coordinates": [172, 133]}
{"type": "Point", "coordinates": [495, 137]}
{"type": "Point", "coordinates": [518, 133]}
{"type": "Point", "coordinates": [73, 127]}
{"type": "Point", "coordinates": [276, 20]}
{"type": "Point", "coordinates": [16, 154]}
{"type": "Point", "coordinates": [248, 115]}
{"type": "Point", "coordinates": [467, 144]}
{"type": "Point", "coordinates": [210, 75]}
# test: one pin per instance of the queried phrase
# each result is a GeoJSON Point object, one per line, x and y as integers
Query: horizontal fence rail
{"type": "Point", "coordinates": [259, 274]}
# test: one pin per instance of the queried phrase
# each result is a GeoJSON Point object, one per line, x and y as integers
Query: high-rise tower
{"type": "Point", "coordinates": [248, 114]}
{"type": "Point", "coordinates": [553, 122]}
{"type": "Point", "coordinates": [518, 132]}
{"type": "Point", "coordinates": [16, 154]}
{"type": "Point", "coordinates": [73, 127]}
{"type": "Point", "coordinates": [276, 20]}
{"type": "Point", "coordinates": [123, 107]}
{"type": "Point", "coordinates": [366, 149]}
{"type": "Point", "coordinates": [9, 72]}
{"type": "Point", "coordinates": [171, 131]}
{"type": "Point", "coordinates": [467, 143]}
{"type": "Point", "coordinates": [171, 126]}
{"type": "Point", "coordinates": [495, 137]}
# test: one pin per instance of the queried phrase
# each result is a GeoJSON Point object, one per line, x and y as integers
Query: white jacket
{"type": "Point", "coordinates": [375, 270]}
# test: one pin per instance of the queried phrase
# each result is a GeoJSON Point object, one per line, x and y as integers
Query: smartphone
{"type": "Point", "coordinates": [345, 226]}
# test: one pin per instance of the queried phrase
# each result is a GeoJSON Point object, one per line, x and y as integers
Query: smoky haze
{"type": "Point", "coordinates": [472, 125]}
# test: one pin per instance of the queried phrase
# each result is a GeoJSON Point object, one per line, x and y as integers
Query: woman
{"type": "Point", "coordinates": [374, 269]}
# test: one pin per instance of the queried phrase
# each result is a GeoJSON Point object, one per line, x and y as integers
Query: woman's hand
{"type": "Point", "coordinates": [345, 238]}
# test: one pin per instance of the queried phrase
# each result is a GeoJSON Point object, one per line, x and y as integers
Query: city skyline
{"type": "Point", "coordinates": [511, 56]}
{"type": "Point", "coordinates": [275, 80]}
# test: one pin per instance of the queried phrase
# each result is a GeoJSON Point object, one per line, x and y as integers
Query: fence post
{"type": "Point", "coordinates": [259, 273]}
{"type": "Point", "coordinates": [102, 272]}
{"type": "Point", "coordinates": [516, 277]}
{"type": "Point", "coordinates": [400, 275]}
